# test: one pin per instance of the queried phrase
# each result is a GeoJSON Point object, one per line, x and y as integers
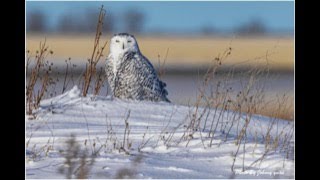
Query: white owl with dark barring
{"type": "Point", "coordinates": [130, 74]}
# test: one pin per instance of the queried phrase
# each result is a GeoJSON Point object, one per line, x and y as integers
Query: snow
{"type": "Point", "coordinates": [155, 131]}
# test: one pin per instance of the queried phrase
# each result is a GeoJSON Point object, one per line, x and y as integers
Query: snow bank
{"type": "Point", "coordinates": [155, 132]}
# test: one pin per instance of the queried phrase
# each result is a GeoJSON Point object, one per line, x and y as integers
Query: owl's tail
{"type": "Point", "coordinates": [167, 100]}
{"type": "Point", "coordinates": [164, 92]}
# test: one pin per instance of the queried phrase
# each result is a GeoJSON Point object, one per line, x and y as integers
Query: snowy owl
{"type": "Point", "coordinates": [130, 74]}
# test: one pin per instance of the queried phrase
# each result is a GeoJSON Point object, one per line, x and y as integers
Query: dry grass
{"type": "Point", "coordinates": [186, 51]}
{"type": "Point", "coordinates": [77, 163]}
{"type": "Point", "coordinates": [96, 55]}
{"type": "Point", "coordinates": [282, 108]}
{"type": "Point", "coordinates": [36, 62]}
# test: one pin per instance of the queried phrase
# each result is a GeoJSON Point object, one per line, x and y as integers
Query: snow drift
{"type": "Point", "coordinates": [118, 131]}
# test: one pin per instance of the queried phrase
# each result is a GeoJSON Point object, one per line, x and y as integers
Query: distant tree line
{"type": "Point", "coordinates": [36, 21]}
{"type": "Point", "coordinates": [254, 27]}
{"type": "Point", "coordinates": [86, 22]}
{"type": "Point", "coordinates": [250, 28]}
{"type": "Point", "coordinates": [132, 21]}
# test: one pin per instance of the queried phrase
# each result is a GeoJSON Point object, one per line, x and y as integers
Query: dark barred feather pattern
{"type": "Point", "coordinates": [136, 79]}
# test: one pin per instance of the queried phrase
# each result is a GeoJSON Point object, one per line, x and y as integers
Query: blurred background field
{"type": "Point", "coordinates": [187, 35]}
{"type": "Point", "coordinates": [188, 52]}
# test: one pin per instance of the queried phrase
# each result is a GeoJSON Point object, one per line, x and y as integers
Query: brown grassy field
{"type": "Point", "coordinates": [185, 51]}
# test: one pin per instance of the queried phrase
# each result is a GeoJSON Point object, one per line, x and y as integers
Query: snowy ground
{"type": "Point", "coordinates": [154, 134]}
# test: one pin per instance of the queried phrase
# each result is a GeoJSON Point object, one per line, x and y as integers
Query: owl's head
{"type": "Point", "coordinates": [123, 42]}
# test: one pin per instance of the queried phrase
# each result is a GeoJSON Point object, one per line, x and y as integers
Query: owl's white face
{"type": "Point", "coordinates": [123, 42]}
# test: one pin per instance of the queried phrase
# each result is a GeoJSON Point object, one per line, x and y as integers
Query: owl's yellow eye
{"type": "Point", "coordinates": [117, 41]}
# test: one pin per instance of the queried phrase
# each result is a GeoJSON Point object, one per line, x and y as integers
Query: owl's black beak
{"type": "Point", "coordinates": [122, 46]}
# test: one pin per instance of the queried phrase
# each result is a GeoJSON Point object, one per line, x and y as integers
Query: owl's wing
{"type": "Point", "coordinates": [152, 86]}
{"type": "Point", "coordinates": [109, 72]}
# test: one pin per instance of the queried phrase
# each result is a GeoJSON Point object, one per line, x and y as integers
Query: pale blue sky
{"type": "Point", "coordinates": [183, 16]}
